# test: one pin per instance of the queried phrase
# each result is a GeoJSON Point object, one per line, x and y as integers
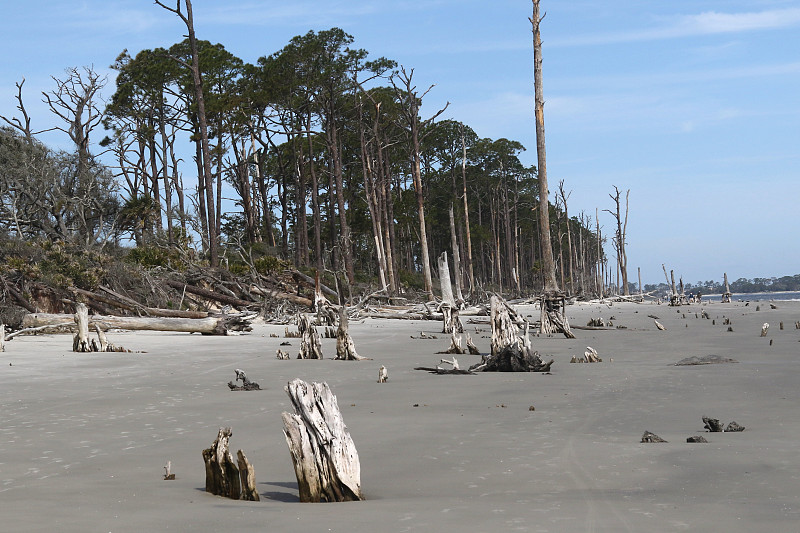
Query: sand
{"type": "Point", "coordinates": [84, 437]}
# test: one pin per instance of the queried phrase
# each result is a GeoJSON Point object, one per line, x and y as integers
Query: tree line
{"type": "Point", "coordinates": [329, 162]}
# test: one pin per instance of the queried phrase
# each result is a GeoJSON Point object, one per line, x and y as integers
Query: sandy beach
{"type": "Point", "coordinates": [84, 437]}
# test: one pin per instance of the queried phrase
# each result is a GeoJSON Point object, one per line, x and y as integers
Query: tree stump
{"type": "Point", "coordinates": [504, 330]}
{"type": "Point", "coordinates": [383, 374]}
{"type": "Point", "coordinates": [764, 329]}
{"type": "Point", "coordinates": [247, 475]}
{"type": "Point", "coordinates": [323, 453]}
{"type": "Point", "coordinates": [553, 315]}
{"type": "Point", "coordinates": [310, 345]}
{"type": "Point", "coordinates": [345, 348]}
{"type": "Point", "coordinates": [246, 385]}
{"type": "Point", "coordinates": [222, 474]}
{"type": "Point", "coordinates": [649, 437]}
{"type": "Point", "coordinates": [80, 342]}
{"type": "Point", "coordinates": [518, 356]}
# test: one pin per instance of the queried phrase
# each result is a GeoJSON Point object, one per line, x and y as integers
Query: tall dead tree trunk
{"type": "Point", "coordinates": [620, 237]}
{"type": "Point", "coordinates": [207, 179]}
{"type": "Point", "coordinates": [552, 301]}
{"type": "Point", "coordinates": [726, 296]}
{"type": "Point", "coordinates": [466, 212]}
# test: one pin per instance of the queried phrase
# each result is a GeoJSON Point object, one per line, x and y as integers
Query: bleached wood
{"type": "Point", "coordinates": [310, 345]}
{"type": "Point", "coordinates": [323, 453]}
{"type": "Point", "coordinates": [80, 342]}
{"type": "Point", "coordinates": [210, 325]}
{"type": "Point", "coordinates": [345, 347]}
{"type": "Point", "coordinates": [383, 374]}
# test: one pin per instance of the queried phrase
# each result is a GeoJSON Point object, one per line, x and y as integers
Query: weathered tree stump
{"type": "Point", "coordinates": [246, 385]}
{"type": "Point", "coordinates": [518, 356]}
{"type": "Point", "coordinates": [764, 329]}
{"type": "Point", "coordinates": [247, 475]}
{"type": "Point", "coordinates": [323, 453]}
{"type": "Point", "coordinates": [345, 347]}
{"type": "Point", "coordinates": [80, 342]}
{"type": "Point", "coordinates": [222, 474]}
{"type": "Point", "coordinates": [310, 345]}
{"type": "Point", "coordinates": [383, 374]}
{"type": "Point", "coordinates": [553, 317]}
{"type": "Point", "coordinates": [733, 427]}
{"type": "Point", "coordinates": [696, 438]}
{"type": "Point", "coordinates": [504, 330]}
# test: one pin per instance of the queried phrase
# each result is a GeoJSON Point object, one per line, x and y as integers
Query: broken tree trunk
{"type": "Point", "coordinates": [504, 330]}
{"type": "Point", "coordinates": [553, 318]}
{"type": "Point", "coordinates": [222, 474]}
{"type": "Point", "coordinates": [450, 320]}
{"type": "Point", "coordinates": [217, 325]}
{"type": "Point", "coordinates": [247, 475]}
{"type": "Point", "coordinates": [726, 296]}
{"type": "Point", "coordinates": [345, 348]}
{"type": "Point", "coordinates": [80, 341]}
{"type": "Point", "coordinates": [518, 356]}
{"type": "Point", "coordinates": [323, 453]}
{"type": "Point", "coordinates": [310, 345]}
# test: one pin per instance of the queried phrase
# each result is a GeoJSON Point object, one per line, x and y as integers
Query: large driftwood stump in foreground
{"type": "Point", "coordinates": [224, 477]}
{"type": "Point", "coordinates": [324, 455]}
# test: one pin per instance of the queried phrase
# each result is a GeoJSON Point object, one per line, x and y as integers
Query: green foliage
{"type": "Point", "coordinates": [156, 256]}
{"type": "Point", "coordinates": [269, 264]}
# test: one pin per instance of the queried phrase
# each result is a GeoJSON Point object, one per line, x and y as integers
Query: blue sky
{"type": "Point", "coordinates": [692, 105]}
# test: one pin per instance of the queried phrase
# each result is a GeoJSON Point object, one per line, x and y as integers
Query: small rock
{"type": "Point", "coordinates": [696, 438]}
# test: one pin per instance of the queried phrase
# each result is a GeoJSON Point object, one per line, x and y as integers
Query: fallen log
{"type": "Point", "coordinates": [130, 305]}
{"type": "Point", "coordinates": [216, 325]}
{"type": "Point", "coordinates": [211, 295]}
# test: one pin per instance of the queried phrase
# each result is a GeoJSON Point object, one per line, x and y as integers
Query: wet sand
{"type": "Point", "coordinates": [84, 437]}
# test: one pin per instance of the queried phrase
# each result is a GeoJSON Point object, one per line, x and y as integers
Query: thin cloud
{"type": "Point", "coordinates": [708, 23]}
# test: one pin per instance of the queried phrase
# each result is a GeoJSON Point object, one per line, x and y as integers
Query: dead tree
{"type": "Point", "coordinates": [345, 348]}
{"type": "Point", "coordinates": [310, 345]}
{"type": "Point", "coordinates": [216, 325]}
{"type": "Point", "coordinates": [726, 296]}
{"type": "Point", "coordinates": [620, 236]}
{"type": "Point", "coordinates": [80, 341]}
{"type": "Point", "coordinates": [509, 351]}
{"type": "Point", "coordinates": [323, 453]}
{"type": "Point", "coordinates": [223, 476]}
{"type": "Point", "coordinates": [449, 307]}
{"type": "Point", "coordinates": [553, 317]}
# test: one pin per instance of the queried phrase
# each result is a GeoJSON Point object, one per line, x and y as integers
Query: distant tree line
{"type": "Point", "coordinates": [324, 152]}
{"type": "Point", "coordinates": [741, 285]}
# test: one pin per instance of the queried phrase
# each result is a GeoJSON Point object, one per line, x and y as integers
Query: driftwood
{"type": "Point", "coordinates": [659, 325]}
{"type": "Point", "coordinates": [764, 329]}
{"type": "Point", "coordinates": [2, 337]}
{"type": "Point", "coordinates": [651, 437]}
{"type": "Point", "coordinates": [449, 308]}
{"type": "Point", "coordinates": [216, 325]}
{"type": "Point", "coordinates": [323, 453]}
{"type": "Point", "coordinates": [383, 374]}
{"type": "Point", "coordinates": [705, 360]}
{"type": "Point", "coordinates": [247, 475]}
{"type": "Point", "coordinates": [310, 345]}
{"type": "Point", "coordinates": [223, 476]}
{"type": "Point", "coordinates": [80, 342]}
{"type": "Point", "coordinates": [509, 351]}
{"type": "Point", "coordinates": [589, 356]}
{"type": "Point", "coordinates": [553, 315]}
{"type": "Point", "coordinates": [345, 348]}
{"type": "Point", "coordinates": [246, 385]}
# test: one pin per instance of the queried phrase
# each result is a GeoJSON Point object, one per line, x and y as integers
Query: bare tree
{"type": "Point", "coordinates": [76, 101]}
{"type": "Point", "coordinates": [619, 239]}
{"type": "Point", "coordinates": [553, 315]}
{"type": "Point", "coordinates": [206, 180]}
{"type": "Point", "coordinates": [412, 101]}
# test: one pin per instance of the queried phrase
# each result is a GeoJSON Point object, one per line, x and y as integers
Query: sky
{"type": "Point", "coordinates": [693, 106]}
